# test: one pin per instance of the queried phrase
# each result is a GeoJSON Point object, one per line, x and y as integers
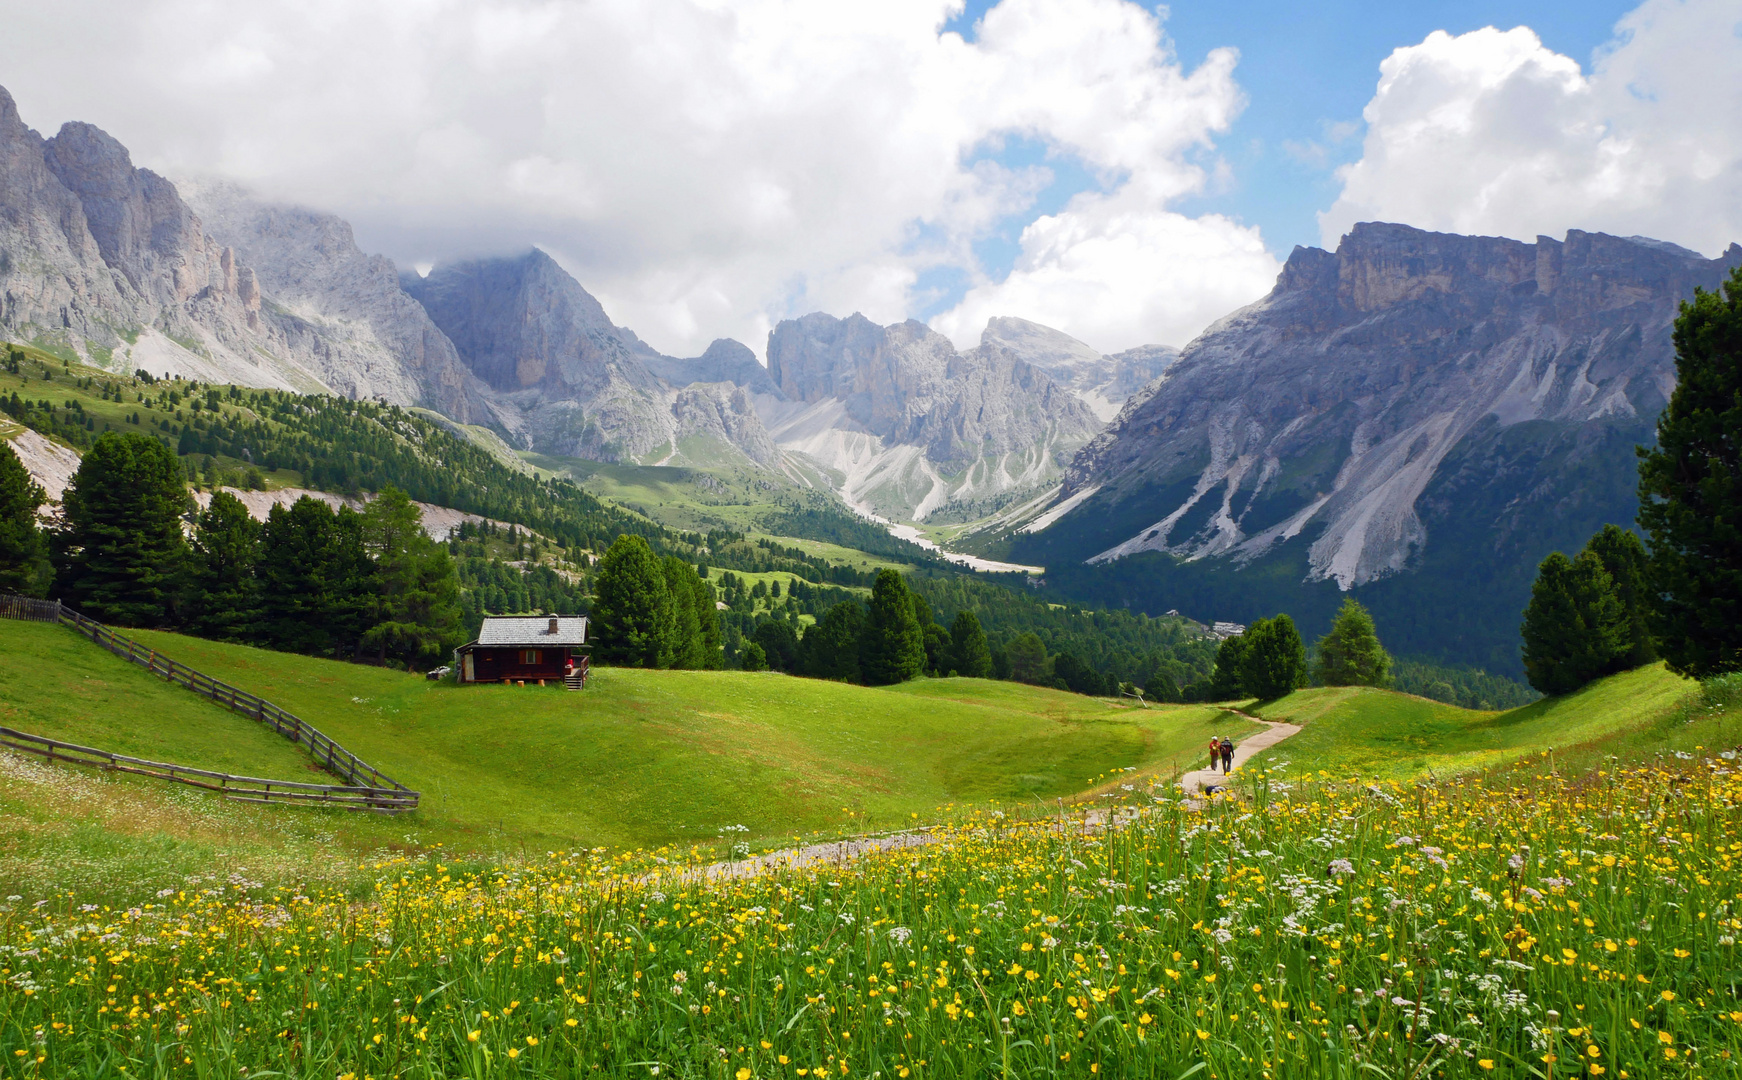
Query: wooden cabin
{"type": "Point", "coordinates": [520, 649]}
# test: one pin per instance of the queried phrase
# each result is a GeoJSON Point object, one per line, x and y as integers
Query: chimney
{"type": "Point", "coordinates": [552, 629]}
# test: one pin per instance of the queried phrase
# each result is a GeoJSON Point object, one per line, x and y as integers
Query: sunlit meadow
{"type": "Point", "coordinates": [1532, 924]}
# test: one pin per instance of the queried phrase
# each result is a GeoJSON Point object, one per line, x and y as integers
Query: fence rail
{"type": "Point", "coordinates": [366, 788]}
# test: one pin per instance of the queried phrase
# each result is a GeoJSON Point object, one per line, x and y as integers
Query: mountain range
{"type": "Point", "coordinates": [1414, 419]}
{"type": "Point", "coordinates": [1417, 418]}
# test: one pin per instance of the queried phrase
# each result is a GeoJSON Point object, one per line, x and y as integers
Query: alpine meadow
{"type": "Point", "coordinates": [900, 542]}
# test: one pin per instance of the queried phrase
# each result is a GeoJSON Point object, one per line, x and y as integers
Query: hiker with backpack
{"type": "Point", "coordinates": [1215, 750]}
{"type": "Point", "coordinates": [1227, 751]}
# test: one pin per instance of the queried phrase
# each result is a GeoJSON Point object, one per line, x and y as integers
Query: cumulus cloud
{"type": "Point", "coordinates": [1491, 132]}
{"type": "Point", "coordinates": [705, 166]}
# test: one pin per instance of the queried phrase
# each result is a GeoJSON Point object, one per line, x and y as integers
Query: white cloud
{"type": "Point", "coordinates": [1491, 132]}
{"type": "Point", "coordinates": [704, 166]}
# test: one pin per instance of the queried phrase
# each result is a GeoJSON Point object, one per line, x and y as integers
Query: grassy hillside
{"type": "Point", "coordinates": [1360, 731]}
{"type": "Point", "coordinates": [642, 757]}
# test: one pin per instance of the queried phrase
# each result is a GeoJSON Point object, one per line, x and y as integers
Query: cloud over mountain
{"type": "Point", "coordinates": [1490, 132]}
{"type": "Point", "coordinates": [708, 168]}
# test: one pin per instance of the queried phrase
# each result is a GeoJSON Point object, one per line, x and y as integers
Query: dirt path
{"type": "Point", "coordinates": [1203, 780]}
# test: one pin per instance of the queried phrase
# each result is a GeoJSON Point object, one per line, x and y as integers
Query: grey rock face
{"type": "Point", "coordinates": [907, 384]}
{"type": "Point", "coordinates": [1320, 414]}
{"type": "Point", "coordinates": [109, 261]}
{"type": "Point", "coordinates": [907, 427]}
{"type": "Point", "coordinates": [725, 361]}
{"type": "Point", "coordinates": [1105, 383]}
{"type": "Point", "coordinates": [380, 341]}
{"type": "Point", "coordinates": [565, 378]}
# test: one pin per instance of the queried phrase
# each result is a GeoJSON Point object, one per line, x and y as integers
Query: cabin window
{"type": "Point", "coordinates": [532, 656]}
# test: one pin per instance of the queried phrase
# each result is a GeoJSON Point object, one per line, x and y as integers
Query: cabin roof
{"type": "Point", "coordinates": [532, 631]}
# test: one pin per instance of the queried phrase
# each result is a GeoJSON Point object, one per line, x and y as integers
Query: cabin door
{"type": "Point", "coordinates": [466, 674]}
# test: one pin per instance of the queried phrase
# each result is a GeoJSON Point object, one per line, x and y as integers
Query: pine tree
{"type": "Point", "coordinates": [316, 579]}
{"type": "Point", "coordinates": [970, 656]}
{"type": "Point", "coordinates": [1574, 627]}
{"type": "Point", "coordinates": [1161, 687]}
{"type": "Point", "coordinates": [24, 565]}
{"type": "Point", "coordinates": [416, 617]}
{"type": "Point", "coordinates": [1027, 654]}
{"type": "Point", "coordinates": [1274, 662]}
{"type": "Point", "coordinates": [707, 622]}
{"type": "Point", "coordinates": [894, 646]}
{"type": "Point", "coordinates": [1229, 680]}
{"type": "Point", "coordinates": [753, 658]}
{"type": "Point", "coordinates": [1350, 654]}
{"type": "Point", "coordinates": [687, 649]}
{"type": "Point", "coordinates": [830, 649]}
{"type": "Point", "coordinates": [1623, 556]}
{"type": "Point", "coordinates": [1690, 491]}
{"type": "Point", "coordinates": [121, 555]}
{"type": "Point", "coordinates": [223, 592]}
{"type": "Point", "coordinates": [779, 643]}
{"type": "Point", "coordinates": [633, 620]}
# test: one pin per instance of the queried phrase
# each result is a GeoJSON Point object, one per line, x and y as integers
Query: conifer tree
{"type": "Point", "coordinates": [24, 565]}
{"type": "Point", "coordinates": [830, 649]}
{"type": "Point", "coordinates": [753, 658]}
{"type": "Point", "coordinates": [223, 592]}
{"type": "Point", "coordinates": [633, 617]}
{"type": "Point", "coordinates": [316, 579]}
{"type": "Point", "coordinates": [1229, 680]}
{"type": "Point", "coordinates": [1623, 556]}
{"type": "Point", "coordinates": [687, 649]}
{"type": "Point", "coordinates": [1161, 687]}
{"type": "Point", "coordinates": [970, 655]}
{"type": "Point", "coordinates": [416, 617]}
{"type": "Point", "coordinates": [1690, 491]}
{"type": "Point", "coordinates": [707, 622]}
{"type": "Point", "coordinates": [121, 555]}
{"type": "Point", "coordinates": [1274, 661]}
{"type": "Point", "coordinates": [1350, 654]}
{"type": "Point", "coordinates": [1027, 655]}
{"type": "Point", "coordinates": [1574, 627]}
{"type": "Point", "coordinates": [779, 643]}
{"type": "Point", "coordinates": [894, 645]}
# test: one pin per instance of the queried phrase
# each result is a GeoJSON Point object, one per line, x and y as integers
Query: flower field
{"type": "Point", "coordinates": [1532, 924]}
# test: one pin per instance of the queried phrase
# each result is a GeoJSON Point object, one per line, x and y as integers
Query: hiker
{"type": "Point", "coordinates": [1215, 750]}
{"type": "Point", "coordinates": [1227, 755]}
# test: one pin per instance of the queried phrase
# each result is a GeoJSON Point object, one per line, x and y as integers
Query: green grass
{"type": "Point", "coordinates": [1361, 731]}
{"type": "Point", "coordinates": [640, 758]}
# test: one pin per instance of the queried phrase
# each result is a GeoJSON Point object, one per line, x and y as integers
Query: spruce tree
{"type": "Point", "coordinates": [1574, 627]}
{"type": "Point", "coordinates": [223, 593]}
{"type": "Point", "coordinates": [707, 622]}
{"type": "Point", "coordinates": [830, 649]}
{"type": "Point", "coordinates": [1027, 655]}
{"type": "Point", "coordinates": [753, 658]}
{"type": "Point", "coordinates": [121, 555]}
{"type": "Point", "coordinates": [632, 619]}
{"type": "Point", "coordinates": [1161, 687]}
{"type": "Point", "coordinates": [1274, 661]}
{"type": "Point", "coordinates": [416, 616]}
{"type": "Point", "coordinates": [779, 643]}
{"type": "Point", "coordinates": [1623, 556]}
{"type": "Point", "coordinates": [1229, 680]}
{"type": "Point", "coordinates": [24, 565]}
{"type": "Point", "coordinates": [316, 579]}
{"type": "Point", "coordinates": [970, 656]}
{"type": "Point", "coordinates": [1350, 654]}
{"type": "Point", "coordinates": [1690, 491]}
{"type": "Point", "coordinates": [894, 645]}
{"type": "Point", "coordinates": [687, 649]}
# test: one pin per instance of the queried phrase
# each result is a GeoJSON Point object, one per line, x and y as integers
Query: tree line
{"type": "Point", "coordinates": [308, 579]}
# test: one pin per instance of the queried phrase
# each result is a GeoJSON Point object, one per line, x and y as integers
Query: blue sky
{"type": "Point", "coordinates": [1307, 71]}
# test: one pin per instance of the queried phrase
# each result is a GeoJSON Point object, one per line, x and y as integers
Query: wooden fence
{"type": "Point", "coordinates": [366, 788]}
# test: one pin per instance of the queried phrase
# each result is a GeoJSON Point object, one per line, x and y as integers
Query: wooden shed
{"type": "Point", "coordinates": [526, 648]}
